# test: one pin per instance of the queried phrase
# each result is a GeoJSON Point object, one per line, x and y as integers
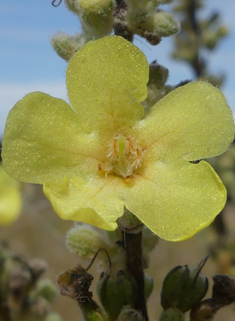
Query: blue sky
{"type": "Point", "coordinates": [28, 62]}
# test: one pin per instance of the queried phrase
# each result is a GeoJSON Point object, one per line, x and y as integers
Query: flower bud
{"type": "Point", "coordinates": [65, 45]}
{"type": "Point", "coordinates": [9, 263]}
{"type": "Point", "coordinates": [37, 267]}
{"type": "Point", "coordinates": [183, 288]}
{"type": "Point", "coordinates": [210, 39]}
{"type": "Point", "coordinates": [85, 240]}
{"type": "Point", "coordinates": [96, 16]}
{"type": "Point", "coordinates": [72, 5]}
{"type": "Point", "coordinates": [162, 23]}
{"type": "Point", "coordinates": [158, 74]}
{"type": "Point", "coordinates": [172, 314]}
{"type": "Point", "coordinates": [116, 291]}
{"type": "Point", "coordinates": [222, 31]}
{"type": "Point", "coordinates": [156, 86]}
{"type": "Point", "coordinates": [47, 289]}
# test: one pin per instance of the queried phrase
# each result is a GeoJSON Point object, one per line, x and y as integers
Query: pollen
{"type": "Point", "coordinates": [124, 156]}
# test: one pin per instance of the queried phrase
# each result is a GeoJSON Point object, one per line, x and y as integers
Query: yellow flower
{"type": "Point", "coordinates": [10, 198]}
{"type": "Point", "coordinates": [104, 154]}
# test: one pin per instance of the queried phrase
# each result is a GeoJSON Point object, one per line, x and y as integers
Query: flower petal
{"type": "Point", "coordinates": [106, 81]}
{"type": "Point", "coordinates": [92, 201]}
{"type": "Point", "coordinates": [193, 122]}
{"type": "Point", "coordinates": [44, 141]}
{"type": "Point", "coordinates": [176, 200]}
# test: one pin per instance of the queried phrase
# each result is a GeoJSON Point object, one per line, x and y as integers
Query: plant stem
{"type": "Point", "coordinates": [120, 24]}
{"type": "Point", "coordinates": [134, 263]}
{"type": "Point", "coordinates": [197, 64]}
{"type": "Point", "coordinates": [90, 310]}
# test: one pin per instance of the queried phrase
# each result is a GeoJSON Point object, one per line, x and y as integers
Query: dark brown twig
{"type": "Point", "coordinates": [191, 10]}
{"type": "Point", "coordinates": [133, 247]}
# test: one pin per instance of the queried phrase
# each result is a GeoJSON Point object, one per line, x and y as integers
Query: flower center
{"type": "Point", "coordinates": [124, 156]}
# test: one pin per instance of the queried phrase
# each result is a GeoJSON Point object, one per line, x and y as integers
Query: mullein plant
{"type": "Point", "coordinates": [122, 160]}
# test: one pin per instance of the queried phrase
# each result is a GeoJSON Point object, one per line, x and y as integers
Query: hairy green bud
{"type": "Point", "coordinates": [85, 240]}
{"type": "Point", "coordinates": [47, 289]}
{"type": "Point", "coordinates": [156, 86]}
{"type": "Point", "coordinates": [158, 74]}
{"type": "Point", "coordinates": [65, 45]}
{"type": "Point", "coordinates": [222, 31]}
{"type": "Point", "coordinates": [162, 23]}
{"type": "Point", "coordinates": [96, 16]}
{"type": "Point", "coordinates": [72, 5]}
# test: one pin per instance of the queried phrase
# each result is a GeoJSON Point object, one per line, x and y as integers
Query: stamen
{"type": "Point", "coordinates": [123, 158]}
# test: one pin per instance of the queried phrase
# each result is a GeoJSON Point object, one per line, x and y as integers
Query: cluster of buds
{"type": "Point", "coordinates": [147, 20]}
{"type": "Point", "coordinates": [117, 288]}
{"type": "Point", "coordinates": [99, 17]}
{"type": "Point", "coordinates": [85, 241]}
{"type": "Point", "coordinates": [96, 18]}
{"type": "Point", "coordinates": [116, 292]}
{"type": "Point", "coordinates": [184, 288]}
